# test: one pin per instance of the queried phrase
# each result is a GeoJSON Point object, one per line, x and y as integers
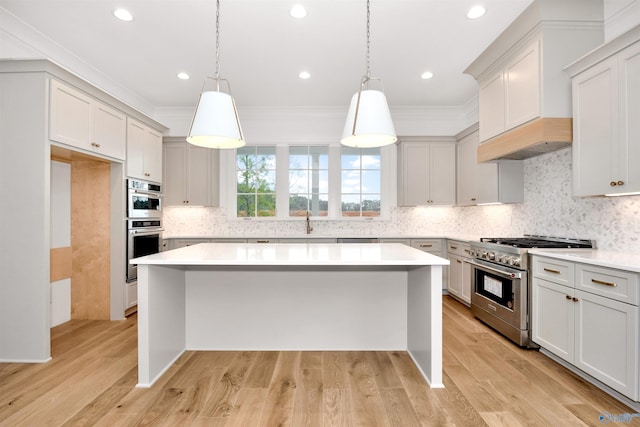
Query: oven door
{"type": "Point", "coordinates": [141, 204]}
{"type": "Point", "coordinates": [499, 291]}
{"type": "Point", "coordinates": [141, 243]}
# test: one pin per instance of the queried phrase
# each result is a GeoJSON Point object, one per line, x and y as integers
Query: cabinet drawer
{"type": "Point", "coordinates": [554, 270]}
{"type": "Point", "coordinates": [427, 245]}
{"type": "Point", "coordinates": [607, 282]}
{"type": "Point", "coordinates": [456, 247]}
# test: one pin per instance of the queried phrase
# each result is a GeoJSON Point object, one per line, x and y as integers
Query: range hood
{"type": "Point", "coordinates": [530, 139]}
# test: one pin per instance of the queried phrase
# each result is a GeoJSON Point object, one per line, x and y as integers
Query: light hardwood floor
{"type": "Point", "coordinates": [488, 381]}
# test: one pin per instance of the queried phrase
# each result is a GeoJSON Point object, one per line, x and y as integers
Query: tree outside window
{"type": "Point", "coordinates": [256, 181]}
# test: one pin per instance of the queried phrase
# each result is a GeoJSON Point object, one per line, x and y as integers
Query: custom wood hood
{"type": "Point", "coordinates": [531, 139]}
{"type": "Point", "coordinates": [524, 97]}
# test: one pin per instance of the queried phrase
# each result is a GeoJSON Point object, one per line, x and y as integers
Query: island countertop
{"type": "Point", "coordinates": [293, 254]}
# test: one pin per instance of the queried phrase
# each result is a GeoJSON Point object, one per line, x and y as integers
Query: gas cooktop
{"type": "Point", "coordinates": [530, 242]}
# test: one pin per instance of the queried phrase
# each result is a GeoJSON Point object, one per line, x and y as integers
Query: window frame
{"type": "Point", "coordinates": [388, 184]}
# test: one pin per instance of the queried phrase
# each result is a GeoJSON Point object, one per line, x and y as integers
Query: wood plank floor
{"type": "Point", "coordinates": [488, 381]}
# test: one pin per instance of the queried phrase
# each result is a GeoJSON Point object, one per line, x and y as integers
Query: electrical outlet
{"type": "Point", "coordinates": [636, 224]}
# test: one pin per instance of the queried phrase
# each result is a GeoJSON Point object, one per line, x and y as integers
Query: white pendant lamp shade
{"type": "Point", "coordinates": [369, 121]}
{"type": "Point", "coordinates": [215, 123]}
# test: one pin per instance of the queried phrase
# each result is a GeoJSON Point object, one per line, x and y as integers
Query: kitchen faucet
{"type": "Point", "coordinates": [309, 227]}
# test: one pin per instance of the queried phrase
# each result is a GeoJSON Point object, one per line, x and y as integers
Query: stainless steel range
{"type": "Point", "coordinates": [500, 288]}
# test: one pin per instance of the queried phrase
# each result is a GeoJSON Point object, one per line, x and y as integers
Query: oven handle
{"type": "Point", "coordinates": [145, 232]}
{"type": "Point", "coordinates": [146, 193]}
{"type": "Point", "coordinates": [494, 270]}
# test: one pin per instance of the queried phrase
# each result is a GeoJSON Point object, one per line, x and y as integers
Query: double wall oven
{"type": "Point", "coordinates": [500, 288]}
{"type": "Point", "coordinates": [144, 222]}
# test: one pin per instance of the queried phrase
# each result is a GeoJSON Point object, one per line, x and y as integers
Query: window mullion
{"type": "Point", "coordinates": [282, 181]}
{"type": "Point", "coordinates": [335, 191]}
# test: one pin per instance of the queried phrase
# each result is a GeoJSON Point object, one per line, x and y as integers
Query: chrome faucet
{"type": "Point", "coordinates": [309, 227]}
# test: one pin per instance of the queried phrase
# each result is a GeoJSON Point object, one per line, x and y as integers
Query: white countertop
{"type": "Point", "coordinates": [293, 254]}
{"type": "Point", "coordinates": [459, 237]}
{"type": "Point", "coordinates": [620, 260]}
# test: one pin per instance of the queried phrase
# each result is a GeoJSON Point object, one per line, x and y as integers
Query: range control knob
{"type": "Point", "coordinates": [516, 262]}
{"type": "Point", "coordinates": [510, 260]}
{"type": "Point", "coordinates": [491, 255]}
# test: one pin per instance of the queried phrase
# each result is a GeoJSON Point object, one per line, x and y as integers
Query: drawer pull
{"type": "Point", "coordinates": [551, 271]}
{"type": "Point", "coordinates": [453, 248]}
{"type": "Point", "coordinates": [600, 282]}
{"type": "Point", "coordinates": [458, 261]}
{"type": "Point", "coordinates": [426, 246]}
{"type": "Point", "coordinates": [262, 241]}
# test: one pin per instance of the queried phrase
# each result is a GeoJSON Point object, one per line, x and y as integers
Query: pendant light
{"type": "Point", "coordinates": [368, 119]}
{"type": "Point", "coordinates": [215, 122]}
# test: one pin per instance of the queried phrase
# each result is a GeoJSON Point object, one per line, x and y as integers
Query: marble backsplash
{"type": "Point", "coordinates": [549, 209]}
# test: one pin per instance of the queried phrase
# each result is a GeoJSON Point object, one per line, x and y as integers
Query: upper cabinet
{"type": "Point", "coordinates": [144, 152]}
{"type": "Point", "coordinates": [190, 174]}
{"type": "Point", "coordinates": [511, 96]}
{"type": "Point", "coordinates": [426, 173]}
{"type": "Point", "coordinates": [606, 103]}
{"type": "Point", "coordinates": [486, 183]}
{"type": "Point", "coordinates": [83, 122]}
{"type": "Point", "coordinates": [524, 97]}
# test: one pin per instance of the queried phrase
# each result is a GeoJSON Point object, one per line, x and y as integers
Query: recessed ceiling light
{"type": "Point", "coordinates": [476, 12]}
{"type": "Point", "coordinates": [426, 75]}
{"type": "Point", "coordinates": [184, 76]}
{"type": "Point", "coordinates": [123, 15]}
{"type": "Point", "coordinates": [298, 11]}
{"type": "Point", "coordinates": [304, 75]}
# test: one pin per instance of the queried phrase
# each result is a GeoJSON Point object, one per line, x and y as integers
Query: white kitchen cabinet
{"type": "Point", "coordinates": [459, 277]}
{"type": "Point", "coordinates": [576, 317]}
{"type": "Point", "coordinates": [427, 173]}
{"type": "Point", "coordinates": [131, 295]}
{"type": "Point", "coordinates": [511, 96]}
{"type": "Point", "coordinates": [191, 174]}
{"type": "Point", "coordinates": [181, 243]}
{"type": "Point", "coordinates": [81, 121]}
{"type": "Point", "coordinates": [144, 152]}
{"type": "Point", "coordinates": [485, 183]}
{"type": "Point", "coordinates": [434, 247]}
{"type": "Point", "coordinates": [606, 104]}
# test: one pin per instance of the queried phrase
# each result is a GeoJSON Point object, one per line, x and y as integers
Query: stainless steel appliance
{"type": "Point", "coordinates": [500, 288]}
{"type": "Point", "coordinates": [144, 237]}
{"type": "Point", "coordinates": [144, 199]}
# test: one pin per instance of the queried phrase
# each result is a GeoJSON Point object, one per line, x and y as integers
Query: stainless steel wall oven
{"type": "Point", "coordinates": [144, 237]}
{"type": "Point", "coordinates": [144, 199]}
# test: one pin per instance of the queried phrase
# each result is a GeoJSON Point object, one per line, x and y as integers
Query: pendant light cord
{"type": "Point", "coordinates": [217, 75]}
{"type": "Point", "coordinates": [368, 39]}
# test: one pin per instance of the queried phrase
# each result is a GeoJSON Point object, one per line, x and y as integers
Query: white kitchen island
{"type": "Point", "coordinates": [228, 296]}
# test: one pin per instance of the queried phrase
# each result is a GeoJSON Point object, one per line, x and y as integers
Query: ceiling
{"type": "Point", "coordinates": [263, 49]}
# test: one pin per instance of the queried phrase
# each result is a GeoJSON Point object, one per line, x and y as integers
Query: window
{"type": "Point", "coordinates": [308, 180]}
{"type": "Point", "coordinates": [328, 181]}
{"type": "Point", "coordinates": [256, 181]}
{"type": "Point", "coordinates": [360, 182]}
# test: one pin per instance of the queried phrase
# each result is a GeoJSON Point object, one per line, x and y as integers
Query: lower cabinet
{"type": "Point", "coordinates": [591, 330]}
{"type": "Point", "coordinates": [434, 247]}
{"type": "Point", "coordinates": [459, 278]}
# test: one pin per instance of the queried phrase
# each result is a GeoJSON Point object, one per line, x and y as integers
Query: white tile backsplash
{"type": "Point", "coordinates": [549, 209]}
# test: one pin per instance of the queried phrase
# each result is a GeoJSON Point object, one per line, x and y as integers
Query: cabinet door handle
{"type": "Point", "coordinates": [613, 183]}
{"type": "Point", "coordinates": [453, 248]}
{"type": "Point", "coordinates": [568, 297]}
{"type": "Point", "coordinates": [600, 282]}
{"type": "Point", "coordinates": [94, 144]}
{"type": "Point", "coordinates": [147, 174]}
{"type": "Point", "coordinates": [551, 271]}
{"type": "Point", "coordinates": [473, 199]}
{"type": "Point", "coordinates": [426, 246]}
{"type": "Point", "coordinates": [575, 299]}
{"type": "Point", "coordinates": [620, 183]}
{"type": "Point", "coordinates": [458, 261]}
